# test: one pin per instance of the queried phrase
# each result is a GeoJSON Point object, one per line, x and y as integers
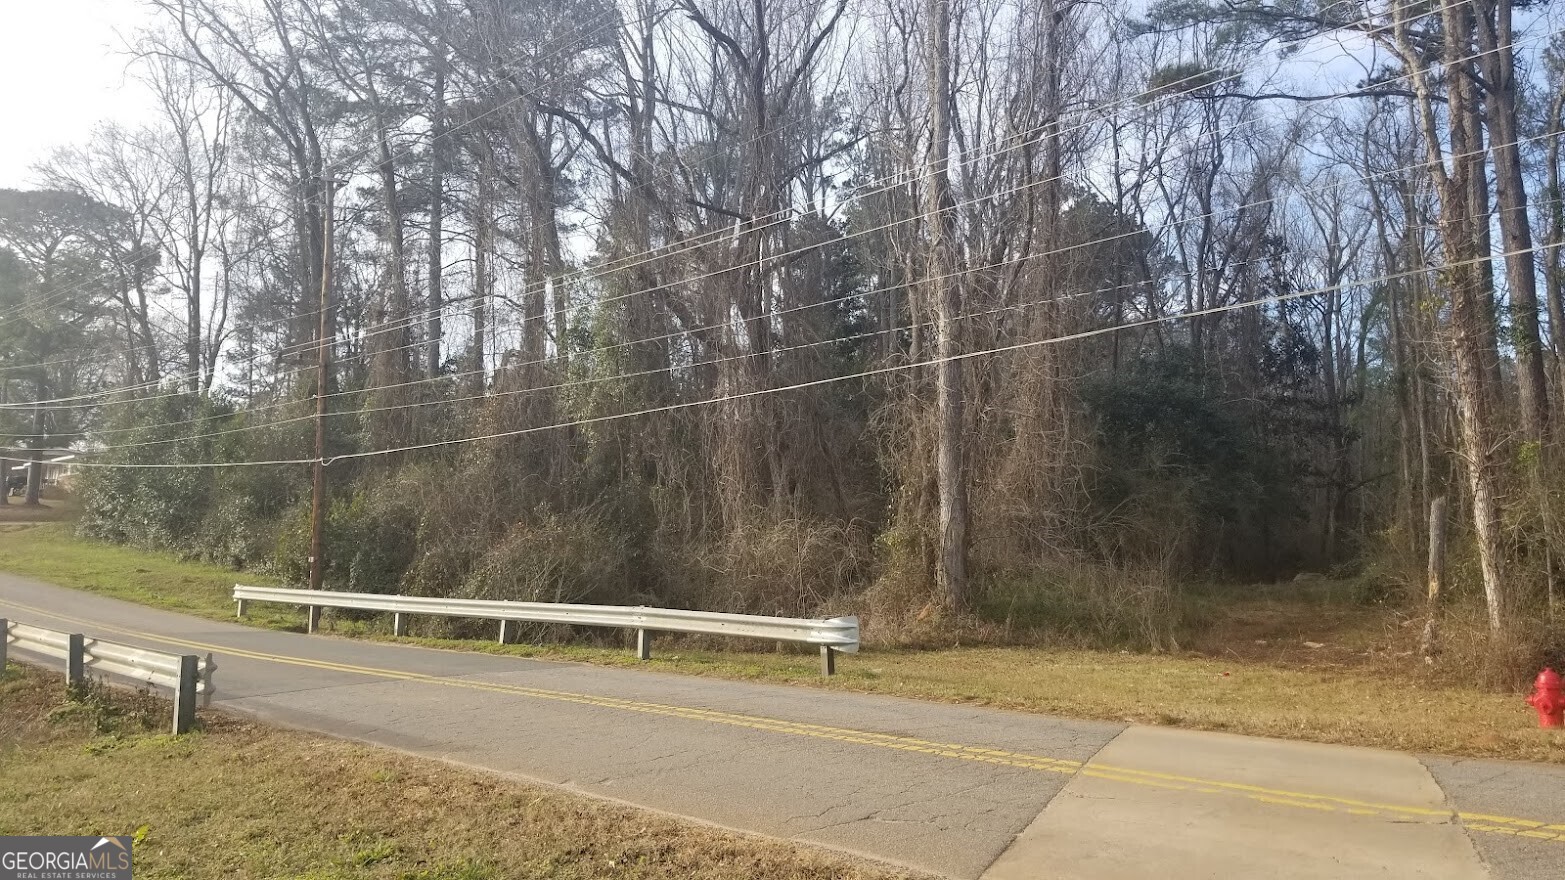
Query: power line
{"type": "Point", "coordinates": [618, 377]}
{"type": "Point", "coordinates": [1091, 243]}
{"type": "Point", "coordinates": [859, 295]}
{"type": "Point", "coordinates": [1159, 281]}
{"type": "Point", "coordinates": [1335, 184]}
{"type": "Point", "coordinates": [611, 13]}
{"type": "Point", "coordinates": [715, 235]}
{"type": "Point", "coordinates": [864, 374]}
{"type": "Point", "coordinates": [384, 409]}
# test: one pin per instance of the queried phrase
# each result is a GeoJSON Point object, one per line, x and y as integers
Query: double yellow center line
{"type": "Point", "coordinates": [1300, 800]}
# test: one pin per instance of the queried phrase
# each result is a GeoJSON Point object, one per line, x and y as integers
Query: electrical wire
{"type": "Point", "coordinates": [1164, 89]}
{"type": "Point", "coordinates": [830, 380]}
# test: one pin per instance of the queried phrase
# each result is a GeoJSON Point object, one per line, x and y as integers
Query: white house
{"type": "Point", "coordinates": [56, 463]}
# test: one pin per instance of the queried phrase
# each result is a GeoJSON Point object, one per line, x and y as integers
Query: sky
{"type": "Point", "coordinates": [63, 67]}
{"type": "Point", "coordinates": [68, 57]}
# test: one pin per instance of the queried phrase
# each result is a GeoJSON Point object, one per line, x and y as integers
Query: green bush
{"type": "Point", "coordinates": [148, 505]}
{"type": "Point", "coordinates": [236, 532]}
{"type": "Point", "coordinates": [1179, 452]}
{"type": "Point", "coordinates": [220, 514]}
{"type": "Point", "coordinates": [369, 536]}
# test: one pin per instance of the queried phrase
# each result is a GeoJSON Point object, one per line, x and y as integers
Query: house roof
{"type": "Point", "coordinates": [24, 453]}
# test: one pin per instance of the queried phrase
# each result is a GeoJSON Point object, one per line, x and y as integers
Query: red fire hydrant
{"type": "Point", "coordinates": [1548, 697]}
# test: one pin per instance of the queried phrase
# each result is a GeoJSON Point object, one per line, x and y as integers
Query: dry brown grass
{"type": "Point", "coordinates": [1280, 662]}
{"type": "Point", "coordinates": [1341, 698]}
{"type": "Point", "coordinates": [244, 800]}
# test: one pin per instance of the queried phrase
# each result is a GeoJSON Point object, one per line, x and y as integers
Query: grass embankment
{"type": "Point", "coordinates": [1272, 666]}
{"type": "Point", "coordinates": [243, 800]}
{"type": "Point", "coordinates": [52, 553]}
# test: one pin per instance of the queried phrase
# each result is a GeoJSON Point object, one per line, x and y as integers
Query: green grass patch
{"type": "Point", "coordinates": [51, 552]}
{"type": "Point", "coordinates": [244, 800]}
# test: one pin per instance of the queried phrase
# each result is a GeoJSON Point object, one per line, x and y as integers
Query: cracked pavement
{"type": "Point", "coordinates": [953, 790]}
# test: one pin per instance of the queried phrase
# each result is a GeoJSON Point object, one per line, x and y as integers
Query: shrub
{"type": "Point", "coordinates": [1204, 458]}
{"type": "Point", "coordinates": [216, 513]}
{"type": "Point", "coordinates": [554, 559]}
{"type": "Point", "coordinates": [791, 567]}
{"type": "Point", "coordinates": [370, 535]}
{"type": "Point", "coordinates": [236, 532]}
{"type": "Point", "coordinates": [1095, 605]}
{"type": "Point", "coordinates": [153, 509]}
{"type": "Point", "coordinates": [1467, 652]}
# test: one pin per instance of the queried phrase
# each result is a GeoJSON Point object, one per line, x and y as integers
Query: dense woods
{"type": "Point", "coordinates": [937, 311]}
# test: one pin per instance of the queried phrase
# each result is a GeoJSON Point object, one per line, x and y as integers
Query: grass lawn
{"type": "Point", "coordinates": [243, 800]}
{"type": "Point", "coordinates": [1256, 673]}
{"type": "Point", "coordinates": [52, 553]}
{"type": "Point", "coordinates": [48, 510]}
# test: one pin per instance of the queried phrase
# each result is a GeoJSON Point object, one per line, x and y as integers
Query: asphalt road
{"type": "Point", "coordinates": [951, 790]}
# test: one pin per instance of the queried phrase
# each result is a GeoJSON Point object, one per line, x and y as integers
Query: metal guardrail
{"type": "Point", "coordinates": [834, 635]}
{"type": "Point", "coordinates": [187, 675]}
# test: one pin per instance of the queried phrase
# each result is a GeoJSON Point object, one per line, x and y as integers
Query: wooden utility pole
{"type": "Point", "coordinates": [322, 371]}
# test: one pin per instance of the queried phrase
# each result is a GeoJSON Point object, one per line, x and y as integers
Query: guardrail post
{"type": "Point", "coordinates": [503, 630]}
{"type": "Point", "coordinates": [399, 624]}
{"type": "Point", "coordinates": [185, 694]}
{"type": "Point", "coordinates": [76, 660]}
{"type": "Point", "coordinates": [828, 660]}
{"type": "Point", "coordinates": [240, 612]}
{"type": "Point", "coordinates": [643, 645]}
{"type": "Point", "coordinates": [5, 637]}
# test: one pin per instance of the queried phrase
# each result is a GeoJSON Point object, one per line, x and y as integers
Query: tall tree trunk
{"type": "Point", "coordinates": [142, 314]}
{"type": "Point", "coordinates": [437, 216]}
{"type": "Point", "coordinates": [483, 282]}
{"type": "Point", "coordinates": [388, 345]}
{"type": "Point", "coordinates": [1462, 241]}
{"type": "Point", "coordinates": [950, 477]}
{"type": "Point", "coordinates": [1436, 575]}
{"type": "Point", "coordinates": [1554, 266]}
{"type": "Point", "coordinates": [35, 469]}
{"type": "Point", "coordinates": [535, 334]}
{"type": "Point", "coordinates": [196, 240]}
{"type": "Point", "coordinates": [393, 337]}
{"type": "Point", "coordinates": [548, 253]}
{"type": "Point", "coordinates": [193, 363]}
{"type": "Point", "coordinates": [1498, 62]}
